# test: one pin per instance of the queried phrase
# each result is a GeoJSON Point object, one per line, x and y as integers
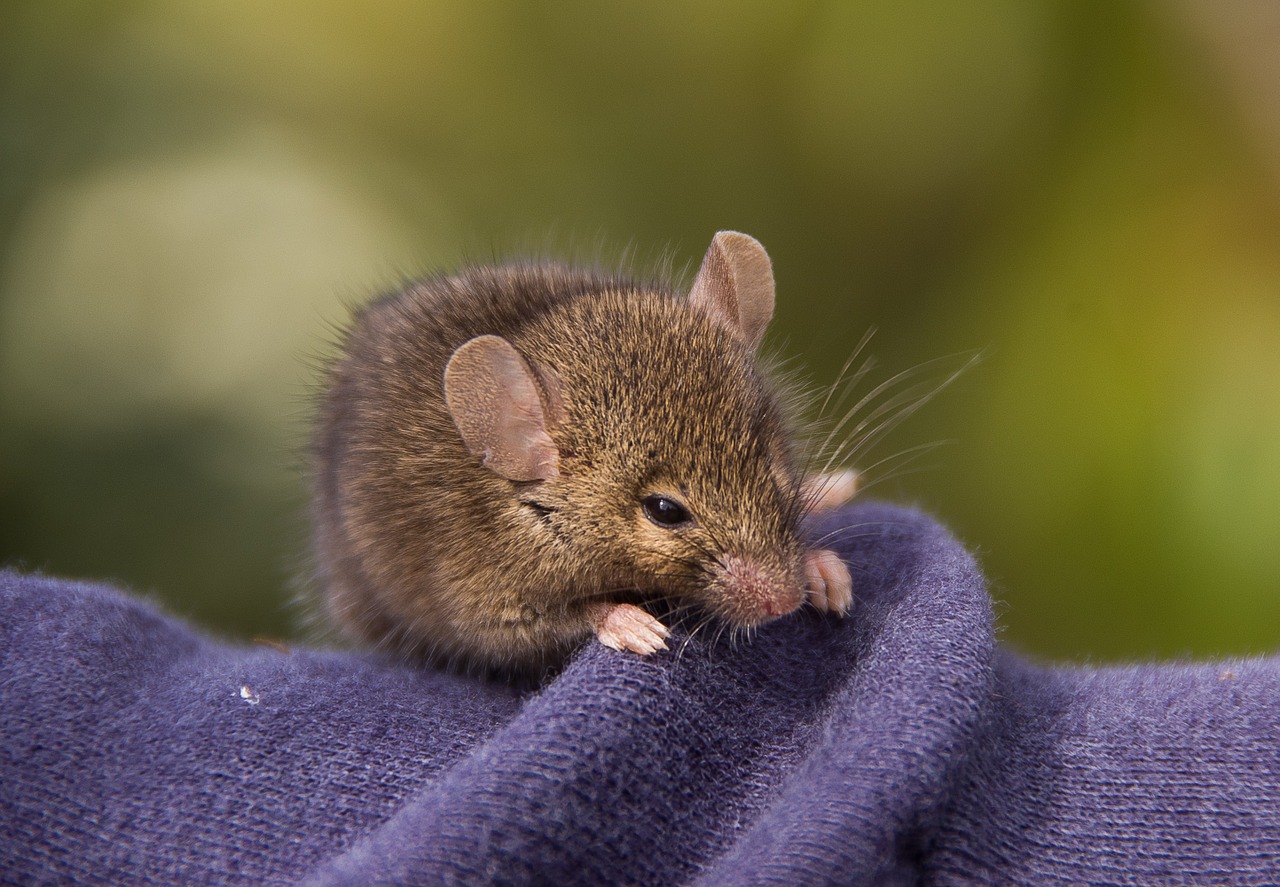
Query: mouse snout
{"type": "Point", "coordinates": [756, 591]}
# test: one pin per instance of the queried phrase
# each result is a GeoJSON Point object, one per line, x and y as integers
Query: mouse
{"type": "Point", "coordinates": [510, 459]}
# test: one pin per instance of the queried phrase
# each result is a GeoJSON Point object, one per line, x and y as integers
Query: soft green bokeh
{"type": "Point", "coordinates": [1086, 193]}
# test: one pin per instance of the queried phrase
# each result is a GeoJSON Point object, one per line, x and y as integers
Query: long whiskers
{"type": "Point", "coordinates": [876, 414]}
{"type": "Point", "coordinates": [889, 413]}
{"type": "Point", "coordinates": [846, 385]}
{"type": "Point", "coordinates": [896, 465]}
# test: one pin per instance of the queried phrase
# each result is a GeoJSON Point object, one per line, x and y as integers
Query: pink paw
{"type": "Point", "coordinates": [829, 586]}
{"type": "Point", "coordinates": [627, 627]}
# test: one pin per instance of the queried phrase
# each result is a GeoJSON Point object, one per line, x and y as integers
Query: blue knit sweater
{"type": "Point", "coordinates": [898, 746]}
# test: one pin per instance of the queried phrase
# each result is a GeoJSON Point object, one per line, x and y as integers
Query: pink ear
{"type": "Point", "coordinates": [495, 400]}
{"type": "Point", "coordinates": [735, 286]}
{"type": "Point", "coordinates": [824, 492]}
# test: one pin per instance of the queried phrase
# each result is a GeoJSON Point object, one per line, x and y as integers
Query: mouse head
{"type": "Point", "coordinates": [663, 458]}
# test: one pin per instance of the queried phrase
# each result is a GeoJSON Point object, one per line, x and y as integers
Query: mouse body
{"type": "Point", "coordinates": [512, 458]}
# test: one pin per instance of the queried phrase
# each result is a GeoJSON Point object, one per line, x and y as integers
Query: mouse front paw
{"type": "Point", "coordinates": [829, 588]}
{"type": "Point", "coordinates": [627, 627]}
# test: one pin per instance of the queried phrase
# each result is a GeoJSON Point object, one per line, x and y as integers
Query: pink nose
{"type": "Point", "coordinates": [774, 608]}
{"type": "Point", "coordinates": [756, 588]}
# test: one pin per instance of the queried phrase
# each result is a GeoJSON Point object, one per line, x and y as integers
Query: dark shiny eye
{"type": "Point", "coordinates": [665, 512]}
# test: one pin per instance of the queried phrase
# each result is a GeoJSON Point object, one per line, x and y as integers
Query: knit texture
{"type": "Point", "coordinates": [899, 745]}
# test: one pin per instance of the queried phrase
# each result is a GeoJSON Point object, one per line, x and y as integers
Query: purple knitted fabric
{"type": "Point", "coordinates": [899, 746]}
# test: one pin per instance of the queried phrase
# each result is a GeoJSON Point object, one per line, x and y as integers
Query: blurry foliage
{"type": "Point", "coordinates": [192, 194]}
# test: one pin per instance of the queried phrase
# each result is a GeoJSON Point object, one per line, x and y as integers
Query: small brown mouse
{"type": "Point", "coordinates": [514, 457]}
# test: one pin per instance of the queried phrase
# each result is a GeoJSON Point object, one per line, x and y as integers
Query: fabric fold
{"type": "Point", "coordinates": [896, 745]}
{"type": "Point", "coordinates": [902, 724]}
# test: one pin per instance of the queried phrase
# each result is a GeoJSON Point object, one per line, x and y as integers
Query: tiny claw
{"type": "Point", "coordinates": [627, 627]}
{"type": "Point", "coordinates": [829, 585]}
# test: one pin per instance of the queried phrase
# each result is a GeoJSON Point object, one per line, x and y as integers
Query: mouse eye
{"type": "Point", "coordinates": [665, 511]}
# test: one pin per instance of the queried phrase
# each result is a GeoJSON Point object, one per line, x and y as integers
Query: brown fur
{"type": "Point", "coordinates": [422, 549]}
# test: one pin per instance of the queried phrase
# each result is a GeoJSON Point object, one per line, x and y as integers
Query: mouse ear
{"type": "Point", "coordinates": [828, 490]}
{"type": "Point", "coordinates": [735, 286]}
{"type": "Point", "coordinates": [495, 400]}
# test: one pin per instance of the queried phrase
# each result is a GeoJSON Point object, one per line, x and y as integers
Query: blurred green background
{"type": "Point", "coordinates": [192, 195]}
